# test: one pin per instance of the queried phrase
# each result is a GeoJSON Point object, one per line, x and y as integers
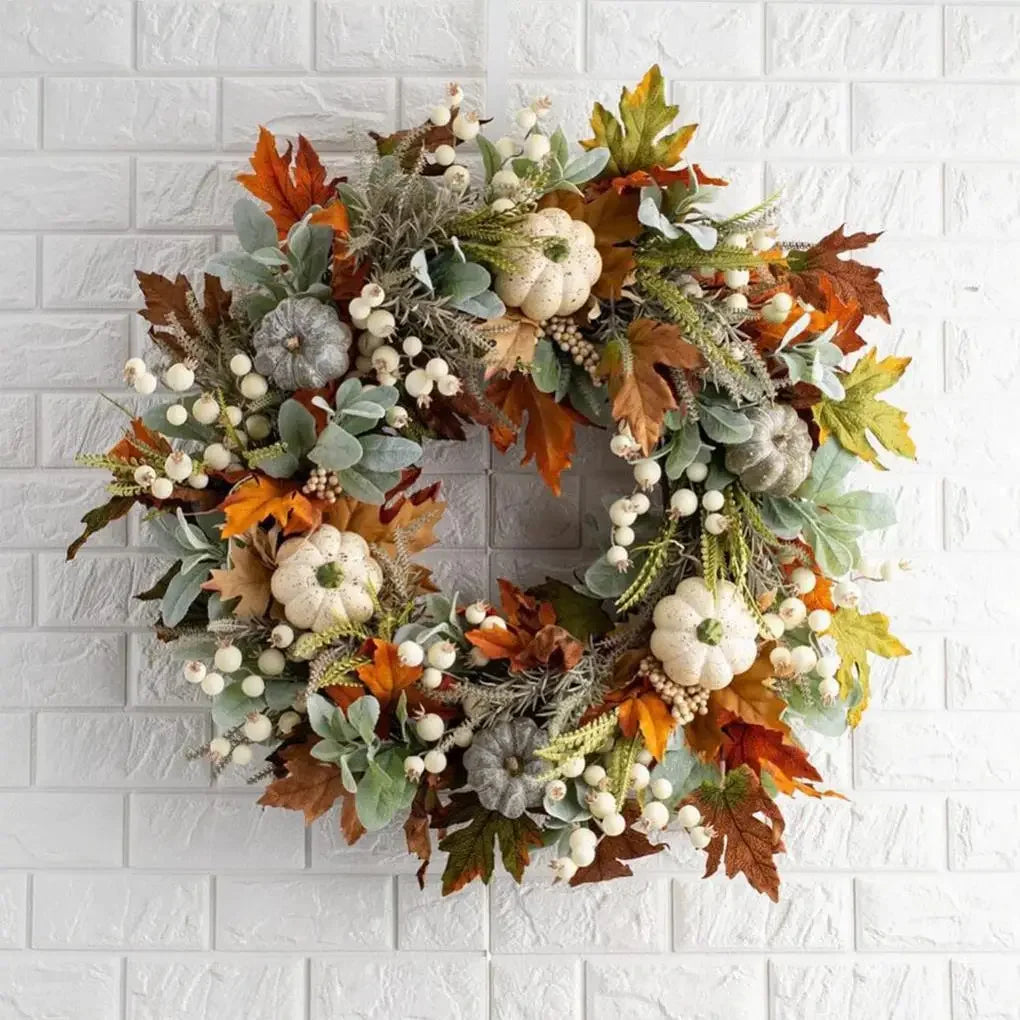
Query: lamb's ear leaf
{"type": "Point", "coordinates": [336, 449]}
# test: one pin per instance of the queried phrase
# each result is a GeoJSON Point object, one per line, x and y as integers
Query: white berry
{"type": "Point", "coordinates": [286, 723]}
{"type": "Point", "coordinates": [440, 115]}
{"type": "Point", "coordinates": [792, 611]}
{"type": "Point", "coordinates": [804, 659]}
{"type": "Point", "coordinates": [457, 177]}
{"type": "Point", "coordinates": [414, 766]}
{"type": "Point", "coordinates": [526, 118]}
{"type": "Point", "coordinates": [272, 662]}
{"type": "Point", "coordinates": [621, 445]}
{"type": "Point", "coordinates": [418, 383]}
{"type": "Point", "coordinates": [145, 475]}
{"type": "Point", "coordinates": [594, 774]}
{"type": "Point", "coordinates": [258, 727]}
{"type": "Point", "coordinates": [194, 671]}
{"type": "Point", "coordinates": [697, 472]}
{"type": "Point", "coordinates": [656, 814]}
{"type": "Point", "coordinates": [536, 147]}
{"type": "Point", "coordinates": [213, 684]}
{"type": "Point", "coordinates": [819, 620]}
{"type": "Point", "coordinates": [774, 625]}
{"type": "Point", "coordinates": [827, 665]}
{"type": "Point", "coordinates": [410, 653]}
{"type": "Point", "coordinates": [228, 658]}
{"type": "Point", "coordinates": [688, 816]}
{"type": "Point", "coordinates": [219, 747]}
{"type": "Point", "coordinates": [254, 386]}
{"type": "Point", "coordinates": [381, 323]}
{"type": "Point", "coordinates": [616, 556]}
{"type": "Point", "coordinates": [684, 502]}
{"type": "Point", "coordinates": [601, 804]}
{"type": "Point", "coordinates": [178, 466]}
{"type": "Point", "coordinates": [205, 410]}
{"type": "Point", "coordinates": [647, 473]}
{"type": "Point", "coordinates": [145, 383]}
{"type": "Point", "coordinates": [258, 426]}
{"type": "Point", "coordinates": [242, 755]}
{"type": "Point", "coordinates": [466, 126]}
{"type": "Point", "coordinates": [735, 278]}
{"type": "Point", "coordinates": [622, 514]}
{"type": "Point", "coordinates": [502, 204]}
{"type": "Point", "coordinates": [828, 688]}
{"type": "Point", "coordinates": [713, 500]}
{"type": "Point", "coordinates": [582, 837]}
{"type": "Point", "coordinates": [716, 524]}
{"type": "Point", "coordinates": [493, 622]}
{"type": "Point", "coordinates": [430, 727]}
{"type": "Point", "coordinates": [240, 364]}
{"type": "Point", "coordinates": [442, 654]}
{"type": "Point", "coordinates": [662, 788]}
{"type": "Point", "coordinates": [253, 686]}
{"type": "Point", "coordinates": [504, 183]}
{"type": "Point", "coordinates": [624, 536]}
{"type": "Point", "coordinates": [564, 868]}
{"type": "Point", "coordinates": [556, 790]}
{"type": "Point", "coordinates": [436, 368]}
{"type": "Point", "coordinates": [162, 488]}
{"type": "Point", "coordinates": [613, 825]}
{"type": "Point", "coordinates": [505, 146]}
{"type": "Point", "coordinates": [198, 480]}
{"type": "Point", "coordinates": [846, 594]}
{"type": "Point", "coordinates": [411, 346]}
{"type": "Point", "coordinates": [781, 659]}
{"type": "Point", "coordinates": [431, 678]}
{"type": "Point", "coordinates": [445, 155]}
{"type": "Point", "coordinates": [640, 503]}
{"type": "Point", "coordinates": [639, 776]}
{"type": "Point", "coordinates": [475, 613]}
{"type": "Point", "coordinates": [735, 303]}
{"type": "Point", "coordinates": [435, 761]}
{"type": "Point", "coordinates": [179, 377]}
{"type": "Point", "coordinates": [573, 767]}
{"type": "Point", "coordinates": [583, 856]}
{"type": "Point", "coordinates": [700, 837]}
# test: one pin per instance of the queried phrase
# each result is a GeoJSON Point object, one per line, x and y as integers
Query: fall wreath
{"type": "Point", "coordinates": [670, 685]}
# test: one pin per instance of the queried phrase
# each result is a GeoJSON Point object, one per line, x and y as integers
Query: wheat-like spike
{"type": "Point", "coordinates": [582, 741]}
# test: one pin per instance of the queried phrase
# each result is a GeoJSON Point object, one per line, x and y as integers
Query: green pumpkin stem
{"type": "Point", "coordinates": [329, 575]}
{"type": "Point", "coordinates": [710, 631]}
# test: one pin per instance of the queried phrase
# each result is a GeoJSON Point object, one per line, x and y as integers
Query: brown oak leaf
{"type": "Point", "coordinates": [168, 308]}
{"type": "Point", "coordinates": [612, 851]}
{"type": "Point", "coordinates": [640, 394]}
{"type": "Point", "coordinates": [514, 337]}
{"type": "Point", "coordinates": [246, 579]}
{"type": "Point", "coordinates": [310, 785]}
{"type": "Point", "coordinates": [745, 842]}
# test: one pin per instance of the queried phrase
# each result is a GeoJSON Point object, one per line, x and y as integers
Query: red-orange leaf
{"type": "Point", "coordinates": [290, 191]}
{"type": "Point", "coordinates": [648, 713]}
{"type": "Point", "coordinates": [386, 676]}
{"type": "Point", "coordinates": [612, 851]}
{"type": "Point", "coordinates": [258, 498]}
{"type": "Point", "coordinates": [761, 748]}
{"type": "Point", "coordinates": [549, 435]}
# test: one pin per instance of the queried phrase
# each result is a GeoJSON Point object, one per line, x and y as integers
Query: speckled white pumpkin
{"type": "Point", "coordinates": [703, 638]}
{"type": "Point", "coordinates": [540, 287]}
{"type": "Point", "coordinates": [325, 578]}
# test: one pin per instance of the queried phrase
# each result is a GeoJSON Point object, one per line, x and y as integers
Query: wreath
{"type": "Point", "coordinates": [669, 686]}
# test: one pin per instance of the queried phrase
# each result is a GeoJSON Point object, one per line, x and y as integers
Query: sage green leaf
{"type": "Point", "coordinates": [155, 419]}
{"type": "Point", "coordinates": [384, 790]}
{"type": "Point", "coordinates": [545, 367]}
{"type": "Point", "coordinates": [181, 592]}
{"type": "Point", "coordinates": [387, 453]}
{"type": "Point", "coordinates": [231, 706]}
{"type": "Point", "coordinates": [724, 424]}
{"type": "Point", "coordinates": [683, 450]}
{"type": "Point", "coordinates": [253, 226]}
{"type": "Point", "coordinates": [296, 425]}
{"type": "Point", "coordinates": [336, 449]}
{"type": "Point", "coordinates": [363, 715]}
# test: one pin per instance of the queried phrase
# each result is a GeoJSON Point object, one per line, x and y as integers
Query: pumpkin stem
{"type": "Point", "coordinates": [292, 343]}
{"type": "Point", "coordinates": [710, 631]}
{"type": "Point", "coordinates": [329, 575]}
{"type": "Point", "coordinates": [512, 764]}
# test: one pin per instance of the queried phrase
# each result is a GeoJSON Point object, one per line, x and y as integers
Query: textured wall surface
{"type": "Point", "coordinates": [133, 889]}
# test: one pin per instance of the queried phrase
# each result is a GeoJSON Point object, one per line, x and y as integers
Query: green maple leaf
{"type": "Point", "coordinates": [472, 849]}
{"type": "Point", "coordinates": [859, 412]}
{"type": "Point", "coordinates": [856, 635]}
{"type": "Point", "coordinates": [634, 141]}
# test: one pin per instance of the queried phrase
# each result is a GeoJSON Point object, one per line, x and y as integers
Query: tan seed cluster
{"type": "Point", "coordinates": [566, 334]}
{"type": "Point", "coordinates": [322, 484]}
{"type": "Point", "coordinates": [685, 702]}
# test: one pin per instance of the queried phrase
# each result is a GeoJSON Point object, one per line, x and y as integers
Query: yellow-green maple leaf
{"type": "Point", "coordinates": [856, 635]}
{"type": "Point", "coordinates": [633, 141]}
{"type": "Point", "coordinates": [859, 412]}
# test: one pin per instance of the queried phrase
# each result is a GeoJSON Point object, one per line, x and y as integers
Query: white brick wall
{"type": "Point", "coordinates": [131, 888]}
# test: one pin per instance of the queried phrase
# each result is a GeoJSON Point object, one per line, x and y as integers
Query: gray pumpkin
{"type": "Point", "coordinates": [302, 344]}
{"type": "Point", "coordinates": [777, 457]}
{"type": "Point", "coordinates": [501, 766]}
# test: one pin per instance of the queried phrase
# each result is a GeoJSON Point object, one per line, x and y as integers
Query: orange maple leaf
{"type": "Point", "coordinates": [640, 394]}
{"type": "Point", "coordinates": [260, 497]}
{"type": "Point", "coordinates": [549, 436]}
{"type": "Point", "coordinates": [648, 713]}
{"type": "Point", "coordinates": [759, 747]}
{"type": "Point", "coordinates": [660, 175]}
{"type": "Point", "coordinates": [291, 191]}
{"type": "Point", "coordinates": [386, 676]}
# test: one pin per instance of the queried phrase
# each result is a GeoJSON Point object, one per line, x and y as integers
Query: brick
{"type": "Point", "coordinates": [62, 830]}
{"type": "Point", "coordinates": [935, 750]}
{"type": "Point", "coordinates": [66, 35]}
{"type": "Point", "coordinates": [819, 40]}
{"type": "Point", "coordinates": [312, 913]}
{"type": "Point", "coordinates": [120, 911]}
{"type": "Point", "coordinates": [463, 525]}
{"type": "Point", "coordinates": [199, 831]}
{"type": "Point", "coordinates": [983, 201]}
{"type": "Point", "coordinates": [912, 681]}
{"type": "Point", "coordinates": [75, 423]}
{"type": "Point", "coordinates": [58, 504]}
{"type": "Point", "coordinates": [95, 590]}
{"type": "Point", "coordinates": [528, 567]}
{"type": "Point", "coordinates": [409, 35]}
{"type": "Point", "coordinates": [155, 675]}
{"type": "Point", "coordinates": [897, 990]}
{"type": "Point", "coordinates": [99, 271]}
{"type": "Point", "coordinates": [215, 35]}
{"type": "Point", "coordinates": [130, 113]}
{"type": "Point", "coordinates": [540, 917]}
{"type": "Point", "coordinates": [17, 431]}
{"type": "Point", "coordinates": [17, 285]}
{"type": "Point", "coordinates": [917, 528]}
{"type": "Point", "coordinates": [969, 370]}
{"type": "Point", "coordinates": [16, 589]}
{"type": "Point", "coordinates": [67, 350]}
{"type": "Point", "coordinates": [873, 834]}
{"type": "Point", "coordinates": [38, 193]}
{"type": "Point", "coordinates": [38, 667]}
{"type": "Point", "coordinates": [518, 982]}
{"type": "Point", "coordinates": [463, 572]}
{"type": "Point", "coordinates": [687, 38]}
{"type": "Point", "coordinates": [982, 515]}
{"type": "Point", "coordinates": [366, 988]}
{"type": "Point", "coordinates": [527, 515]}
{"type": "Point", "coordinates": [13, 912]}
{"type": "Point", "coordinates": [936, 120]}
{"type": "Point", "coordinates": [113, 749]}
{"type": "Point", "coordinates": [904, 199]}
{"type": "Point", "coordinates": [451, 456]}
{"type": "Point", "coordinates": [16, 740]}
{"type": "Point", "coordinates": [982, 42]}
{"type": "Point", "coordinates": [976, 678]}
{"type": "Point", "coordinates": [45, 987]}
{"type": "Point", "coordinates": [427, 921]}
{"type": "Point", "coordinates": [928, 913]}
{"type": "Point", "coordinates": [19, 113]}
{"type": "Point", "coordinates": [330, 112]}
{"type": "Point", "coordinates": [257, 990]}
{"type": "Point", "coordinates": [545, 36]}
{"type": "Point", "coordinates": [674, 987]}
{"type": "Point", "coordinates": [775, 118]}
{"type": "Point", "coordinates": [982, 832]}
{"type": "Point", "coordinates": [378, 853]}
{"type": "Point", "coordinates": [984, 989]}
{"type": "Point", "coordinates": [184, 194]}
{"type": "Point", "coordinates": [722, 914]}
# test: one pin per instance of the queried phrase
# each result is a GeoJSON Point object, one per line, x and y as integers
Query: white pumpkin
{"type": "Point", "coordinates": [540, 287]}
{"type": "Point", "coordinates": [703, 638]}
{"type": "Point", "coordinates": [325, 578]}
